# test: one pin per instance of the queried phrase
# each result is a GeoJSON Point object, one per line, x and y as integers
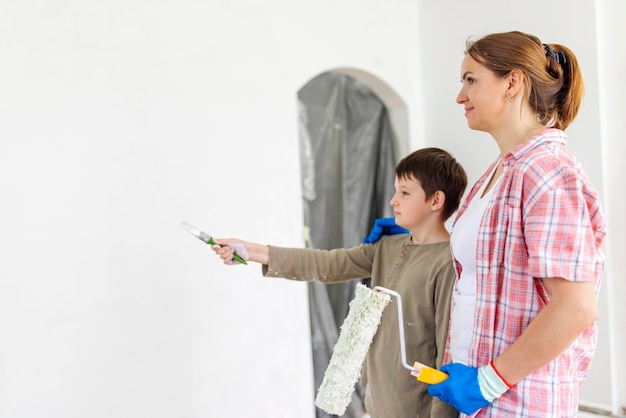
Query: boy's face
{"type": "Point", "coordinates": [410, 206]}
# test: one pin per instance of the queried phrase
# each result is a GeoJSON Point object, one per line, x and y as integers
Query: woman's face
{"type": "Point", "coordinates": [483, 96]}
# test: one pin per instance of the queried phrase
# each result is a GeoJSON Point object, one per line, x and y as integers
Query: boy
{"type": "Point", "coordinates": [429, 184]}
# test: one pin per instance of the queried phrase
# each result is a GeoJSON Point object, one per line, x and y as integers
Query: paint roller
{"type": "Point", "coordinates": [355, 338]}
{"type": "Point", "coordinates": [422, 372]}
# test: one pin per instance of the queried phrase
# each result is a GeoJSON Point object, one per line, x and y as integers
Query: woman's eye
{"type": "Point", "coordinates": [470, 81]}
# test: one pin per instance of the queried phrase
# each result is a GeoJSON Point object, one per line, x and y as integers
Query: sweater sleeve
{"type": "Point", "coordinates": [327, 266]}
{"type": "Point", "coordinates": [444, 286]}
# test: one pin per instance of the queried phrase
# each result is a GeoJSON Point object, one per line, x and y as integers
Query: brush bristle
{"type": "Point", "coordinates": [357, 332]}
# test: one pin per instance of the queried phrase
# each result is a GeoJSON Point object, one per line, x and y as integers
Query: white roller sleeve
{"type": "Point", "coordinates": [357, 332]}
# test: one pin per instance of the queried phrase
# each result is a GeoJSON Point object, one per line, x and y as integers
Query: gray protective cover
{"type": "Point", "coordinates": [347, 158]}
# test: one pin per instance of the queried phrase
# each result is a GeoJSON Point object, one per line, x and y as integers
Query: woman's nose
{"type": "Point", "coordinates": [461, 97]}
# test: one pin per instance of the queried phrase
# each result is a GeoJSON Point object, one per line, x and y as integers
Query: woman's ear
{"type": "Point", "coordinates": [516, 81]}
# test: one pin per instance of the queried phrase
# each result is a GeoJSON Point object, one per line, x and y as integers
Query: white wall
{"type": "Point", "coordinates": [119, 120]}
{"type": "Point", "coordinates": [612, 65]}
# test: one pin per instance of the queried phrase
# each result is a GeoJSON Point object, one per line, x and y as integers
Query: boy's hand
{"type": "Point", "coordinates": [383, 226]}
{"type": "Point", "coordinates": [249, 251]}
{"type": "Point", "coordinates": [226, 248]}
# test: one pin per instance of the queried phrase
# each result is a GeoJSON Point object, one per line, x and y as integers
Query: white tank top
{"type": "Point", "coordinates": [463, 241]}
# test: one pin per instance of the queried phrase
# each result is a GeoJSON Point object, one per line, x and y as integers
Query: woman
{"type": "Point", "coordinates": [527, 241]}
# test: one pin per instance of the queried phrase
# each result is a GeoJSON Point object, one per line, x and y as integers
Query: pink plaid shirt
{"type": "Point", "coordinates": [544, 220]}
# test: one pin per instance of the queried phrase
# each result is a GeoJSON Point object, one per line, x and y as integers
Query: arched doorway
{"type": "Point", "coordinates": [349, 145]}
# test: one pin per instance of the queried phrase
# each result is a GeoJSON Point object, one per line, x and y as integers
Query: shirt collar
{"type": "Point", "coordinates": [547, 135]}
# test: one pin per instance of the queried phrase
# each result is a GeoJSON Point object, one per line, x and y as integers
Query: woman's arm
{"type": "Point", "coordinates": [571, 309]}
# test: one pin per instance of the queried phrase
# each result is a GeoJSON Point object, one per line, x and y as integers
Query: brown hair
{"type": "Point", "coordinates": [554, 84]}
{"type": "Point", "coordinates": [436, 170]}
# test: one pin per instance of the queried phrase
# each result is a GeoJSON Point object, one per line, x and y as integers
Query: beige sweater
{"type": "Point", "coordinates": [424, 277]}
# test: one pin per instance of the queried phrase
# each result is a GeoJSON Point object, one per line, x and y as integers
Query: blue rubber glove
{"type": "Point", "coordinates": [383, 226]}
{"type": "Point", "coordinates": [461, 389]}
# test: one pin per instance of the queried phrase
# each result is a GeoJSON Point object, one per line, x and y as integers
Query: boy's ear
{"type": "Point", "coordinates": [438, 200]}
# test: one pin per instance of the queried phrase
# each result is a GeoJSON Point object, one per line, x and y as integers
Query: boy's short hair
{"type": "Point", "coordinates": [436, 170]}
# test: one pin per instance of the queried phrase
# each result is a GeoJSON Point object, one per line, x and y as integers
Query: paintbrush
{"type": "Point", "coordinates": [207, 239]}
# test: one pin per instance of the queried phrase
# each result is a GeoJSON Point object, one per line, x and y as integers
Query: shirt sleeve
{"type": "Point", "coordinates": [558, 229]}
